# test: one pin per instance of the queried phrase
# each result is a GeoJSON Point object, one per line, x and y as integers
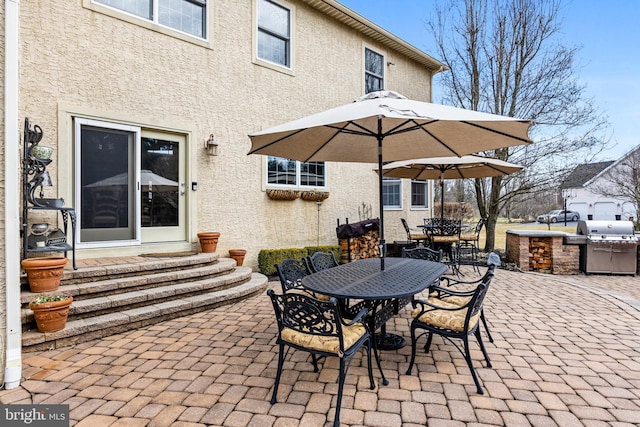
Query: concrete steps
{"type": "Point", "coordinates": [110, 299]}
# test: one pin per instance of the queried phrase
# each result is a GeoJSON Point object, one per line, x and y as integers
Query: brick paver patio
{"type": "Point", "coordinates": [566, 353]}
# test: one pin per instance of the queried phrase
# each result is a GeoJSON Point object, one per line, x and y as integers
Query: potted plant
{"type": "Point", "coordinates": [44, 273]}
{"type": "Point", "coordinates": [209, 241]}
{"type": "Point", "coordinates": [238, 255]}
{"type": "Point", "coordinates": [51, 311]}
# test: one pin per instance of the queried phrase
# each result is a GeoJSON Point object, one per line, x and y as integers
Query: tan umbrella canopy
{"type": "Point", "coordinates": [385, 126]}
{"type": "Point", "coordinates": [442, 168]}
{"type": "Point", "coordinates": [149, 181]}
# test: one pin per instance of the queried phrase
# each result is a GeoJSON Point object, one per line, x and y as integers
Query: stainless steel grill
{"type": "Point", "coordinates": [606, 246]}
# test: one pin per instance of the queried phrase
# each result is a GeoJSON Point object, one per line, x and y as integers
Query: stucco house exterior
{"type": "Point", "coordinates": [585, 188]}
{"type": "Point", "coordinates": [133, 90]}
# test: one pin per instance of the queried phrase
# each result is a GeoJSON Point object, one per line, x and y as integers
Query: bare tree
{"type": "Point", "coordinates": [505, 57]}
{"type": "Point", "coordinates": [622, 181]}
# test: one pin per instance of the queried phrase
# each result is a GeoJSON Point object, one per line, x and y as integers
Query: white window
{"type": "Point", "coordinates": [392, 193]}
{"type": "Point", "coordinates": [419, 194]}
{"type": "Point", "coordinates": [292, 173]}
{"type": "Point", "coordinates": [274, 33]}
{"type": "Point", "coordinates": [187, 16]}
{"type": "Point", "coordinates": [373, 71]}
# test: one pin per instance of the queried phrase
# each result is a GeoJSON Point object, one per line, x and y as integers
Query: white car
{"type": "Point", "coordinates": [558, 216]}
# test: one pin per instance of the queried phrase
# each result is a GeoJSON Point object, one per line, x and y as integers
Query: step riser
{"type": "Point", "coordinates": [116, 329]}
{"type": "Point", "coordinates": [117, 298]}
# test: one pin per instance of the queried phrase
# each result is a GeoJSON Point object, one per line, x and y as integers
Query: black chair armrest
{"type": "Point", "coordinates": [426, 306]}
{"type": "Point", "coordinates": [444, 292]}
{"type": "Point", "coordinates": [358, 318]}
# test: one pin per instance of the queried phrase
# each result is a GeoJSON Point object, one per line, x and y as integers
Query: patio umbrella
{"type": "Point", "coordinates": [149, 181]}
{"type": "Point", "coordinates": [442, 168]}
{"type": "Point", "coordinates": [385, 126]}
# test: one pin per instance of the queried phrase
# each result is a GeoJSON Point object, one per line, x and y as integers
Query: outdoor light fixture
{"type": "Point", "coordinates": [212, 146]}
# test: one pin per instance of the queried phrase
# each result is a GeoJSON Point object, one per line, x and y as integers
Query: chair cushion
{"type": "Point", "coordinates": [450, 320]}
{"type": "Point", "coordinates": [321, 297]}
{"type": "Point", "coordinates": [469, 237]}
{"type": "Point", "coordinates": [418, 236]}
{"type": "Point", "coordinates": [444, 239]}
{"type": "Point", "coordinates": [325, 343]}
{"type": "Point", "coordinates": [452, 299]}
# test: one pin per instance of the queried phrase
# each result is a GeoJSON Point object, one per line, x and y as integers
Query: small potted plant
{"type": "Point", "coordinates": [209, 241]}
{"type": "Point", "coordinates": [51, 311]}
{"type": "Point", "coordinates": [238, 255]}
{"type": "Point", "coordinates": [44, 273]}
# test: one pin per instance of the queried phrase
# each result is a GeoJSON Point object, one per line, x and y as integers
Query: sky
{"type": "Point", "coordinates": [607, 33]}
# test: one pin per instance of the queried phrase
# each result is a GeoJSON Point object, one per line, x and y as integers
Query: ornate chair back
{"type": "Point", "coordinates": [321, 261]}
{"type": "Point", "coordinates": [291, 271]}
{"type": "Point", "coordinates": [423, 253]}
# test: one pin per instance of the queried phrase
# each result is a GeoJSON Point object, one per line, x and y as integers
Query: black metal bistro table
{"type": "Point", "coordinates": [383, 292]}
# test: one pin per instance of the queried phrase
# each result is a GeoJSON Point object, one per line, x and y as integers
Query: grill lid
{"type": "Point", "coordinates": [607, 231]}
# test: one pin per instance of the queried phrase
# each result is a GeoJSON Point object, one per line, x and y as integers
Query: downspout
{"type": "Point", "coordinates": [12, 199]}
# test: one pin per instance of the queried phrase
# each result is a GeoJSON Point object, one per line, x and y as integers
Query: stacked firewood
{"type": "Point", "coordinates": [361, 247]}
{"type": "Point", "coordinates": [540, 255]}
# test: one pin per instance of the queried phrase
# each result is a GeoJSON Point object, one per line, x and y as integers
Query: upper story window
{"type": "Point", "coordinates": [419, 194]}
{"type": "Point", "coordinates": [187, 16]}
{"type": "Point", "coordinates": [392, 193]}
{"type": "Point", "coordinates": [289, 172]}
{"type": "Point", "coordinates": [274, 33]}
{"type": "Point", "coordinates": [373, 71]}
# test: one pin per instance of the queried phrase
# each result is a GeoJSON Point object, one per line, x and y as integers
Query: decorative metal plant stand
{"type": "Point", "coordinates": [35, 176]}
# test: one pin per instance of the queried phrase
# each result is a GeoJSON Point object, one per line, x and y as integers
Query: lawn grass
{"type": "Point", "coordinates": [502, 226]}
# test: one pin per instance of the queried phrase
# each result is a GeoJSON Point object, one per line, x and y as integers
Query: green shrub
{"type": "Point", "coordinates": [268, 258]}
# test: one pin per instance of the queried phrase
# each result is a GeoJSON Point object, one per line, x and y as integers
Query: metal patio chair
{"type": "Point", "coordinates": [316, 327]}
{"type": "Point", "coordinates": [468, 245]}
{"type": "Point", "coordinates": [493, 261]}
{"type": "Point", "coordinates": [414, 235]}
{"type": "Point", "coordinates": [451, 321]}
{"type": "Point", "coordinates": [321, 261]}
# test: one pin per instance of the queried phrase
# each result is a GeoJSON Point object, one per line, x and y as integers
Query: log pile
{"type": "Point", "coordinates": [540, 257]}
{"type": "Point", "coordinates": [361, 247]}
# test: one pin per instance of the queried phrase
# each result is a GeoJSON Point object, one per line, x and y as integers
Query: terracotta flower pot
{"type": "Point", "coordinates": [51, 316]}
{"type": "Point", "coordinates": [238, 255]}
{"type": "Point", "coordinates": [44, 274]}
{"type": "Point", "coordinates": [209, 241]}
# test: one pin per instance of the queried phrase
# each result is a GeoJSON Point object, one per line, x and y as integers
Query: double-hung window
{"type": "Point", "coordinates": [392, 193]}
{"type": "Point", "coordinates": [292, 173]}
{"type": "Point", "coordinates": [187, 16]}
{"type": "Point", "coordinates": [274, 33]}
{"type": "Point", "coordinates": [373, 71]}
{"type": "Point", "coordinates": [419, 194]}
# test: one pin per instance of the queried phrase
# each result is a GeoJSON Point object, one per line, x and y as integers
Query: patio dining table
{"type": "Point", "coordinates": [383, 292]}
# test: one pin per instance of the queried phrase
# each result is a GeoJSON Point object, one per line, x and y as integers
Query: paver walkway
{"type": "Point", "coordinates": [566, 353]}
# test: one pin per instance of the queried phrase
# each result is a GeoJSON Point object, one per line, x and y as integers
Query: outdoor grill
{"type": "Point", "coordinates": [606, 246]}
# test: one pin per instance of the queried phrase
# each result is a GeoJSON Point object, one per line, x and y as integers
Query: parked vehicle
{"type": "Point", "coordinates": [559, 215]}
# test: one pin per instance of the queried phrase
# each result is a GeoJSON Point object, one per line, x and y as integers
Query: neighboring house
{"type": "Point", "coordinates": [583, 190]}
{"type": "Point", "coordinates": [121, 87]}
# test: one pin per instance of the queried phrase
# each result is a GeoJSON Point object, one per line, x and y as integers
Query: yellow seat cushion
{"type": "Point", "coordinates": [451, 320]}
{"type": "Point", "coordinates": [325, 343]}
{"type": "Point", "coordinates": [418, 236]}
{"type": "Point", "coordinates": [444, 239]}
{"type": "Point", "coordinates": [469, 237]}
{"type": "Point", "coordinates": [320, 297]}
{"type": "Point", "coordinates": [452, 299]}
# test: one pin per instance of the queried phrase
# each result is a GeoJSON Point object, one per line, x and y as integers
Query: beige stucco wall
{"type": "Point", "coordinates": [78, 61]}
{"type": "Point", "coordinates": [3, 275]}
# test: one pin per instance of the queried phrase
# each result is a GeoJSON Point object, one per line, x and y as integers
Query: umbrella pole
{"type": "Point", "coordinates": [441, 196]}
{"type": "Point", "coordinates": [383, 247]}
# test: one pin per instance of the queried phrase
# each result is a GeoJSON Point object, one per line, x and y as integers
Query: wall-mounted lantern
{"type": "Point", "coordinates": [211, 146]}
